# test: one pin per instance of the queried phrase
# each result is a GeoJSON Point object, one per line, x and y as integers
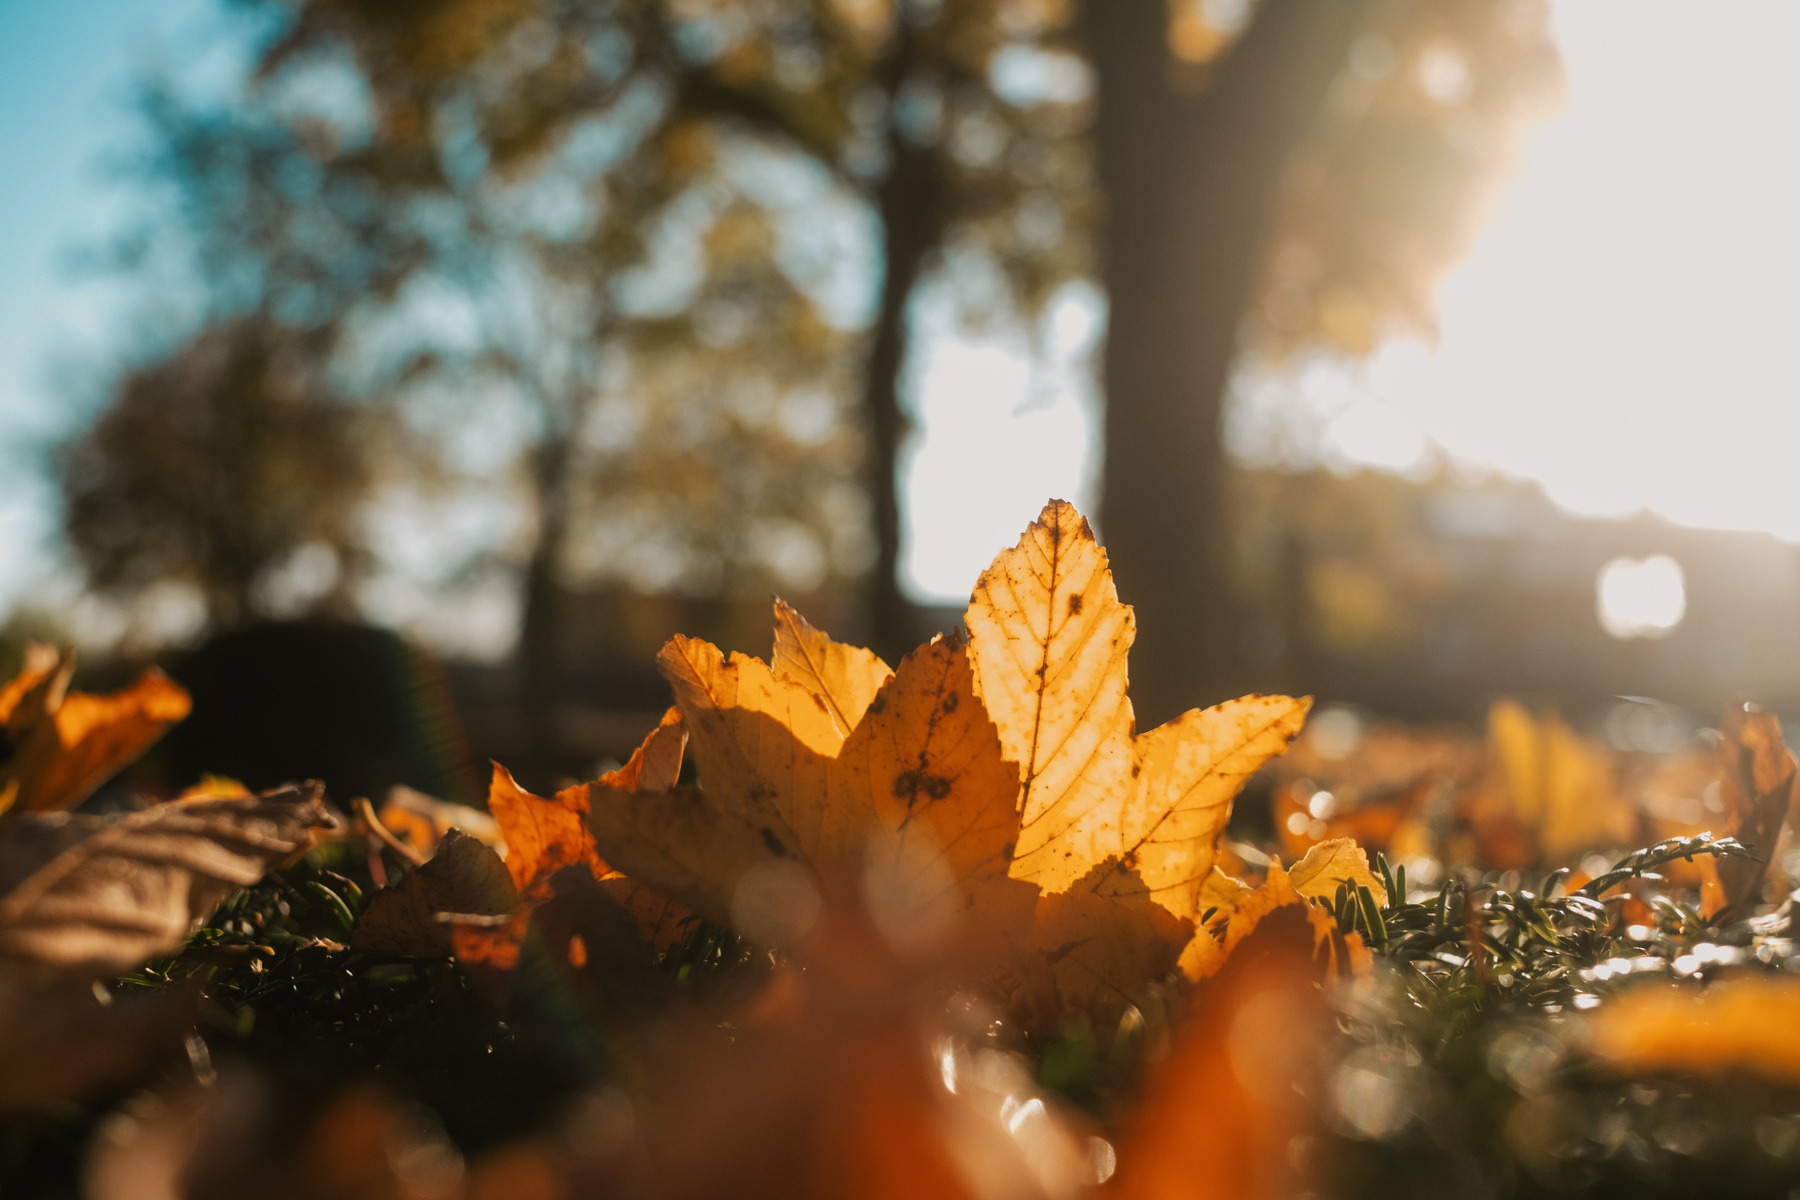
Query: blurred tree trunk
{"type": "Point", "coordinates": [540, 623]}
{"type": "Point", "coordinates": [913, 202]}
{"type": "Point", "coordinates": [1191, 179]}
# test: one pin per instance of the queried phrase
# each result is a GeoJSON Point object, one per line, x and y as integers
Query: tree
{"type": "Point", "coordinates": [1215, 145]}
{"type": "Point", "coordinates": [894, 100]}
{"type": "Point", "coordinates": [222, 467]}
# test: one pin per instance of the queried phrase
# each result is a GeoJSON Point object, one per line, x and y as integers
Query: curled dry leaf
{"type": "Point", "coordinates": [466, 902]}
{"type": "Point", "coordinates": [61, 745]}
{"type": "Point", "coordinates": [1757, 775]}
{"type": "Point", "coordinates": [543, 836]}
{"type": "Point", "coordinates": [102, 894]}
{"type": "Point", "coordinates": [83, 898]}
{"type": "Point", "coordinates": [414, 917]}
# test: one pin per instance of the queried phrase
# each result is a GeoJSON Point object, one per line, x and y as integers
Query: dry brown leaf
{"type": "Point", "coordinates": [1329, 864]}
{"type": "Point", "coordinates": [1757, 777]}
{"type": "Point", "coordinates": [61, 745]}
{"type": "Point", "coordinates": [845, 677]}
{"type": "Point", "coordinates": [100, 895]}
{"type": "Point", "coordinates": [411, 918]}
{"type": "Point", "coordinates": [543, 836]}
{"type": "Point", "coordinates": [1049, 640]}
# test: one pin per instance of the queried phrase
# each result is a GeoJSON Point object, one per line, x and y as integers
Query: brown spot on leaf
{"type": "Point", "coordinates": [773, 843]}
{"type": "Point", "coordinates": [908, 785]}
{"type": "Point", "coordinates": [1075, 604]}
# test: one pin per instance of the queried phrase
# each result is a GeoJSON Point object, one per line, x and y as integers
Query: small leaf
{"type": "Point", "coordinates": [61, 745]}
{"type": "Point", "coordinates": [414, 917]}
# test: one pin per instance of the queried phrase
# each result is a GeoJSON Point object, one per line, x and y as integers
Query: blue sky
{"type": "Point", "coordinates": [68, 69]}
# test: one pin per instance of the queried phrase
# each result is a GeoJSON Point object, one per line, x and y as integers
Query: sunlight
{"type": "Point", "coordinates": [1621, 331]}
{"type": "Point", "coordinates": [1641, 598]}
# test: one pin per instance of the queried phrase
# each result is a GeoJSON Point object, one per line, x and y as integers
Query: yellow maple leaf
{"type": "Point", "coordinates": [1010, 800]}
{"type": "Point", "coordinates": [1049, 639]}
{"type": "Point", "coordinates": [845, 677]}
{"type": "Point", "coordinates": [62, 744]}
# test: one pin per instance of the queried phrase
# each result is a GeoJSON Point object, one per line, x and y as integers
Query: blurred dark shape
{"type": "Point", "coordinates": [1426, 600]}
{"type": "Point", "coordinates": [216, 467]}
{"type": "Point", "coordinates": [1299, 181]}
{"type": "Point", "coordinates": [360, 708]}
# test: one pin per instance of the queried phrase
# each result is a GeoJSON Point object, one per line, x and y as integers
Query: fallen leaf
{"type": "Point", "coordinates": [101, 895]}
{"type": "Point", "coordinates": [1242, 909]}
{"type": "Point", "coordinates": [1218, 1116]}
{"type": "Point", "coordinates": [1757, 774]}
{"type": "Point", "coordinates": [542, 835]}
{"type": "Point", "coordinates": [413, 917]}
{"type": "Point", "coordinates": [845, 677]}
{"type": "Point", "coordinates": [1329, 864]}
{"type": "Point", "coordinates": [1750, 1023]}
{"type": "Point", "coordinates": [1048, 638]}
{"type": "Point", "coordinates": [423, 820]}
{"type": "Point", "coordinates": [61, 745]}
{"type": "Point", "coordinates": [1084, 876]}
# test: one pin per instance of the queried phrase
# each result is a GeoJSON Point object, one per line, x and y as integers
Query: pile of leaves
{"type": "Point", "coordinates": [840, 929]}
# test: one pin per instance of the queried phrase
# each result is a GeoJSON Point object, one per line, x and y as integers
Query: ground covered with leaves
{"type": "Point", "coordinates": [952, 928]}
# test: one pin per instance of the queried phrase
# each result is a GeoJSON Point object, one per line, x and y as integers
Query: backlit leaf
{"type": "Point", "coordinates": [1049, 638]}
{"type": "Point", "coordinates": [61, 745]}
{"type": "Point", "coordinates": [845, 677]}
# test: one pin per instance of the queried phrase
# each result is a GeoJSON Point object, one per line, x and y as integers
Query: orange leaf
{"type": "Point", "coordinates": [65, 744]}
{"type": "Point", "coordinates": [1217, 1117]}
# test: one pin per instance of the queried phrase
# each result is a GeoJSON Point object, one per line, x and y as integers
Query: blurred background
{"type": "Point", "coordinates": [399, 374]}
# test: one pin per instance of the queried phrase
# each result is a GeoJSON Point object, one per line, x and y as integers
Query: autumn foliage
{"type": "Point", "coordinates": [852, 930]}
